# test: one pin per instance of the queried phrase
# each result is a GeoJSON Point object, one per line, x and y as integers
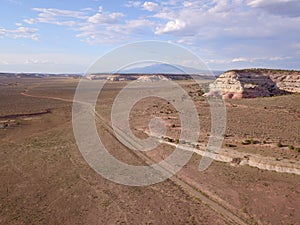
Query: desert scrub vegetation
{"type": "Point", "coordinates": [279, 145]}
{"type": "Point", "coordinates": [292, 147]}
{"type": "Point", "coordinates": [297, 149]}
{"type": "Point", "coordinates": [250, 141]}
{"type": "Point", "coordinates": [230, 145]}
{"type": "Point", "coordinates": [171, 140]}
{"type": "Point", "coordinates": [167, 139]}
{"type": "Point", "coordinates": [106, 203]}
{"type": "Point", "coordinates": [5, 125]}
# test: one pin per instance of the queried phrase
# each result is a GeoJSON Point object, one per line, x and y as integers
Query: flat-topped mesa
{"type": "Point", "coordinates": [252, 83]}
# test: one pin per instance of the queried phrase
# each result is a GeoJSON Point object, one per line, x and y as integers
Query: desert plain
{"type": "Point", "coordinates": [44, 179]}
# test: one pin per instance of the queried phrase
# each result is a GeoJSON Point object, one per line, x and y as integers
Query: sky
{"type": "Point", "coordinates": [68, 36]}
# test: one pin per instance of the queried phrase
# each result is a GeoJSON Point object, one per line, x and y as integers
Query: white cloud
{"type": "Point", "coordinates": [133, 4]}
{"type": "Point", "coordinates": [171, 2]}
{"type": "Point", "coordinates": [257, 59]}
{"type": "Point", "coordinates": [187, 4]}
{"type": "Point", "coordinates": [50, 12]}
{"type": "Point", "coordinates": [150, 6]}
{"type": "Point", "coordinates": [171, 26]}
{"type": "Point", "coordinates": [242, 59]}
{"type": "Point", "coordinates": [166, 14]}
{"type": "Point", "coordinates": [87, 9]}
{"type": "Point", "coordinates": [30, 21]}
{"type": "Point", "coordinates": [56, 16]}
{"type": "Point", "coordinates": [113, 33]}
{"type": "Point", "coordinates": [4, 62]}
{"type": "Point", "coordinates": [258, 3]}
{"type": "Point", "coordinates": [222, 19]}
{"type": "Point", "coordinates": [220, 6]}
{"type": "Point", "coordinates": [105, 18]}
{"type": "Point", "coordinates": [93, 28]}
{"type": "Point", "coordinates": [278, 7]}
{"type": "Point", "coordinates": [239, 29]}
{"type": "Point", "coordinates": [20, 32]}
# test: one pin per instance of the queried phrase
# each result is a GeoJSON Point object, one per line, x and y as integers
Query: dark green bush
{"type": "Point", "coordinates": [291, 147]}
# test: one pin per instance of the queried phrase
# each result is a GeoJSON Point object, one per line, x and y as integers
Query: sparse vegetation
{"type": "Point", "coordinates": [279, 145]}
{"type": "Point", "coordinates": [60, 175]}
{"type": "Point", "coordinates": [291, 147]}
{"type": "Point", "coordinates": [253, 142]}
{"type": "Point", "coordinates": [106, 203]}
{"type": "Point", "coordinates": [230, 145]}
{"type": "Point", "coordinates": [250, 141]}
{"type": "Point", "coordinates": [246, 142]}
{"type": "Point", "coordinates": [263, 70]}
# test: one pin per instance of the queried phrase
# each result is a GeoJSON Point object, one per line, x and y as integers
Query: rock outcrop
{"type": "Point", "coordinates": [254, 83]}
{"type": "Point", "coordinates": [151, 78]}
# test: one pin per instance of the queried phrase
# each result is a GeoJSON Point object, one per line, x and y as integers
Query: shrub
{"type": "Point", "coordinates": [171, 140]}
{"type": "Point", "coordinates": [297, 149]}
{"type": "Point", "coordinates": [291, 147]}
{"type": "Point", "coordinates": [230, 145]}
{"type": "Point", "coordinates": [167, 139]}
{"type": "Point", "coordinates": [279, 145]}
{"type": "Point", "coordinates": [246, 142]}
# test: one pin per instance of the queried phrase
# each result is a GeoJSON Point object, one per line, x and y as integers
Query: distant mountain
{"type": "Point", "coordinates": [160, 68]}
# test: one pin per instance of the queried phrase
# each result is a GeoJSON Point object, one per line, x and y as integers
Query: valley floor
{"type": "Point", "coordinates": [45, 180]}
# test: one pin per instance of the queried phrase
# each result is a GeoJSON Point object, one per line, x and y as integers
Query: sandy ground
{"type": "Point", "coordinates": [45, 180]}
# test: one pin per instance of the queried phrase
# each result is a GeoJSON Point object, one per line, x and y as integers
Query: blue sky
{"type": "Point", "coordinates": [68, 36]}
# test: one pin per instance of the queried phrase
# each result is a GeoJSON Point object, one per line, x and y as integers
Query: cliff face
{"type": "Point", "coordinates": [255, 83]}
{"type": "Point", "coordinates": [287, 82]}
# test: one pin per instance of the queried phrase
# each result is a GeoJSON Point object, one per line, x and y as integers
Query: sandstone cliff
{"type": "Point", "coordinates": [254, 83]}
